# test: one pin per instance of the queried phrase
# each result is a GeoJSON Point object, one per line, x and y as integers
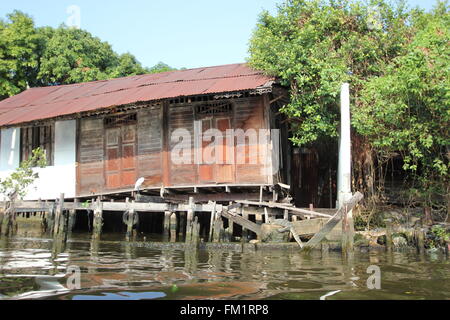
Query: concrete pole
{"type": "Point", "coordinates": [344, 191]}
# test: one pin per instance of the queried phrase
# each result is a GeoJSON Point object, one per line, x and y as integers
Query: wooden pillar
{"type": "Point", "coordinates": [218, 228]}
{"type": "Point", "coordinates": [50, 217]}
{"type": "Point", "coordinates": [181, 224]}
{"type": "Point", "coordinates": [420, 236]}
{"type": "Point", "coordinates": [347, 232]}
{"type": "Point", "coordinates": [389, 234]}
{"type": "Point", "coordinates": [59, 216]}
{"type": "Point", "coordinates": [266, 215]}
{"type": "Point", "coordinates": [98, 219]}
{"type": "Point", "coordinates": [211, 222]}
{"type": "Point", "coordinates": [130, 224]}
{"type": "Point", "coordinates": [173, 227]}
{"type": "Point", "coordinates": [72, 216]}
{"type": "Point", "coordinates": [189, 218]}
{"type": "Point", "coordinates": [166, 225]}
{"type": "Point", "coordinates": [245, 232]}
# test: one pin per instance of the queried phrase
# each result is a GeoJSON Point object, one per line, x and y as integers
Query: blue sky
{"type": "Point", "coordinates": [189, 33]}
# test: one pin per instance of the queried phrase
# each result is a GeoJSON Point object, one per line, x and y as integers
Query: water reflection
{"type": "Point", "coordinates": [111, 269]}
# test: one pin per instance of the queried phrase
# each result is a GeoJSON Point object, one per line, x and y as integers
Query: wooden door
{"type": "Point", "coordinates": [224, 172]}
{"type": "Point", "coordinates": [120, 162]}
{"type": "Point", "coordinates": [221, 171]}
{"type": "Point", "coordinates": [205, 171]}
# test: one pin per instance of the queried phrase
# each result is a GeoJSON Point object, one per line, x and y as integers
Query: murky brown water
{"type": "Point", "coordinates": [35, 267]}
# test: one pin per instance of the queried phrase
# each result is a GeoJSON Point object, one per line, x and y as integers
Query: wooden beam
{"type": "Point", "coordinates": [294, 210]}
{"type": "Point", "coordinates": [242, 222]}
{"type": "Point", "coordinates": [347, 206]}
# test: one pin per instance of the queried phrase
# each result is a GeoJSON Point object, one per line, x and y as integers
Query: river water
{"type": "Point", "coordinates": [37, 268]}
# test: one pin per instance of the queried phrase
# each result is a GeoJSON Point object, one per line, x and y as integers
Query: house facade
{"type": "Point", "coordinates": [200, 128]}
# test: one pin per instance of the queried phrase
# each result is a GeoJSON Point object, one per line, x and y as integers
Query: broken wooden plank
{"type": "Point", "coordinates": [347, 206]}
{"type": "Point", "coordinates": [242, 221]}
{"type": "Point", "coordinates": [294, 210]}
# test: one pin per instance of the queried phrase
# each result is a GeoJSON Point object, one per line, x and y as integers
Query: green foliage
{"type": "Point", "coordinates": [160, 67]}
{"type": "Point", "coordinates": [44, 56]}
{"type": "Point", "coordinates": [314, 46]}
{"type": "Point", "coordinates": [24, 176]}
{"type": "Point", "coordinates": [396, 61]}
{"type": "Point", "coordinates": [407, 108]}
{"type": "Point", "coordinates": [18, 53]}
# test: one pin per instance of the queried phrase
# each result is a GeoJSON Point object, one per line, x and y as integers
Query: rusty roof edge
{"type": "Point", "coordinates": [146, 85]}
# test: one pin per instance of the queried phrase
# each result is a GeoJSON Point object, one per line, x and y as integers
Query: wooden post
{"type": "Point", "coordinates": [166, 225]}
{"type": "Point", "coordinates": [244, 230]}
{"type": "Point", "coordinates": [211, 222]}
{"type": "Point", "coordinates": [389, 234]}
{"type": "Point", "coordinates": [190, 216]}
{"type": "Point", "coordinates": [181, 224]}
{"type": "Point", "coordinates": [218, 228]}
{"type": "Point", "coordinates": [51, 217]}
{"type": "Point", "coordinates": [195, 239]}
{"type": "Point", "coordinates": [59, 218]}
{"type": "Point", "coordinates": [98, 219]}
{"type": "Point", "coordinates": [420, 236]}
{"type": "Point", "coordinates": [347, 231]}
{"type": "Point", "coordinates": [266, 215]}
{"type": "Point", "coordinates": [173, 227]}
{"type": "Point", "coordinates": [72, 216]}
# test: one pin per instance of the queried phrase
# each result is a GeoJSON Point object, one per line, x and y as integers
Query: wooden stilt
{"type": "Point", "coordinates": [59, 218]}
{"type": "Point", "coordinates": [72, 216]}
{"type": "Point", "coordinates": [189, 218]}
{"type": "Point", "coordinates": [173, 227]}
{"type": "Point", "coordinates": [166, 225]}
{"type": "Point", "coordinates": [211, 222]}
{"type": "Point", "coordinates": [51, 217]}
{"type": "Point", "coordinates": [98, 219]}
{"type": "Point", "coordinates": [245, 232]}
{"type": "Point", "coordinates": [181, 224]}
{"type": "Point", "coordinates": [389, 234]}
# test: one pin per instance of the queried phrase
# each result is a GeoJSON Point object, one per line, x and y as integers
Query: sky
{"type": "Point", "coordinates": [181, 33]}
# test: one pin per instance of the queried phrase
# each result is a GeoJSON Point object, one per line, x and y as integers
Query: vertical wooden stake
{"type": "Point", "coordinates": [173, 227]}
{"type": "Point", "coordinates": [245, 232]}
{"type": "Point", "coordinates": [211, 222]}
{"type": "Point", "coordinates": [72, 216]}
{"type": "Point", "coordinates": [266, 215]}
{"type": "Point", "coordinates": [389, 234]}
{"type": "Point", "coordinates": [98, 219]}
{"type": "Point", "coordinates": [58, 216]}
{"type": "Point", "coordinates": [190, 216]}
{"type": "Point", "coordinates": [166, 225]}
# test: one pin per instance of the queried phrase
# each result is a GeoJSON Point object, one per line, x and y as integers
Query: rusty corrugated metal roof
{"type": "Point", "coordinates": [49, 102]}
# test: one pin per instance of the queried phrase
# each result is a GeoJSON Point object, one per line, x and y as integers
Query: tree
{"type": "Point", "coordinates": [73, 55]}
{"type": "Point", "coordinates": [396, 61]}
{"type": "Point", "coordinates": [407, 109]}
{"type": "Point", "coordinates": [160, 67]}
{"type": "Point", "coordinates": [314, 46]}
{"type": "Point", "coordinates": [18, 53]}
{"type": "Point", "coordinates": [36, 57]}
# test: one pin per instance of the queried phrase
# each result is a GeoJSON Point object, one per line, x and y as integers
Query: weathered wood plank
{"type": "Point", "coordinates": [349, 205]}
{"type": "Point", "coordinates": [242, 221]}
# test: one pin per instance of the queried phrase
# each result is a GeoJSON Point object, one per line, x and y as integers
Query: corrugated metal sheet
{"type": "Point", "coordinates": [49, 102]}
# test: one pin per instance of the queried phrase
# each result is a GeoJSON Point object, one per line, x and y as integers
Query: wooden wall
{"type": "Point", "coordinates": [155, 124]}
